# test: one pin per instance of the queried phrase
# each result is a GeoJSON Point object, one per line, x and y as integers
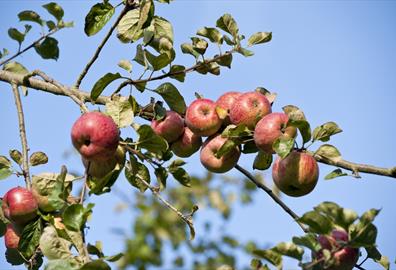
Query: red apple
{"type": "Point", "coordinates": [345, 258]}
{"type": "Point", "coordinates": [187, 144]}
{"type": "Point", "coordinates": [225, 102]}
{"type": "Point", "coordinates": [270, 128]}
{"type": "Point", "coordinates": [201, 117]}
{"type": "Point", "coordinates": [170, 128]}
{"type": "Point", "coordinates": [296, 175]}
{"type": "Point", "coordinates": [19, 205]}
{"type": "Point", "coordinates": [11, 237]}
{"type": "Point", "coordinates": [249, 108]}
{"type": "Point", "coordinates": [209, 159]}
{"type": "Point", "coordinates": [95, 136]}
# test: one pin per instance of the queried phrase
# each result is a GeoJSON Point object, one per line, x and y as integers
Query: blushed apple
{"type": "Point", "coordinates": [11, 236]}
{"type": "Point", "coordinates": [296, 175]}
{"type": "Point", "coordinates": [225, 102]}
{"type": "Point", "coordinates": [271, 127]}
{"type": "Point", "coordinates": [201, 117]}
{"type": "Point", "coordinates": [170, 128]}
{"type": "Point", "coordinates": [208, 155]}
{"type": "Point", "coordinates": [96, 136]}
{"type": "Point", "coordinates": [187, 144]}
{"type": "Point", "coordinates": [19, 205]}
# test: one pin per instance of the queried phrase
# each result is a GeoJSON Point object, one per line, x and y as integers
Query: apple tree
{"type": "Point", "coordinates": [44, 224]}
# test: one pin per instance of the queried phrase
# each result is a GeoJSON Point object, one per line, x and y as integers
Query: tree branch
{"type": "Point", "coordinates": [272, 195]}
{"type": "Point", "coordinates": [22, 133]}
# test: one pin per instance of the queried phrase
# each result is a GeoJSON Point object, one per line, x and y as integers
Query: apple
{"type": "Point", "coordinates": [225, 102]}
{"type": "Point", "coordinates": [19, 205]}
{"type": "Point", "coordinates": [271, 127]}
{"type": "Point", "coordinates": [187, 144]}
{"type": "Point", "coordinates": [96, 136]}
{"type": "Point", "coordinates": [201, 117]}
{"type": "Point", "coordinates": [171, 127]}
{"type": "Point", "coordinates": [211, 162]}
{"type": "Point", "coordinates": [345, 258]}
{"type": "Point", "coordinates": [296, 175]}
{"type": "Point", "coordinates": [249, 108]}
{"type": "Point", "coordinates": [11, 236]}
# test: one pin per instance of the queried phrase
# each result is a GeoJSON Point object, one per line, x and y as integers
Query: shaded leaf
{"type": "Point", "coordinates": [225, 60]}
{"type": "Point", "coordinates": [259, 37]}
{"type": "Point", "coordinates": [55, 10]}
{"type": "Point", "coordinates": [227, 147]}
{"type": "Point", "coordinates": [323, 132]}
{"type": "Point", "coordinates": [304, 128]}
{"type": "Point", "coordinates": [308, 240]}
{"type": "Point", "coordinates": [128, 29]}
{"type": "Point", "coordinates": [290, 250]}
{"type": "Point", "coordinates": [29, 15]}
{"type": "Point", "coordinates": [135, 172]}
{"type": "Point", "coordinates": [5, 162]}
{"type": "Point", "coordinates": [334, 174]}
{"type": "Point", "coordinates": [245, 52]}
{"type": "Point", "coordinates": [181, 176]}
{"type": "Point", "coordinates": [177, 72]}
{"type": "Point", "coordinates": [172, 97]}
{"type": "Point", "coordinates": [97, 17]}
{"type": "Point", "coordinates": [228, 24]}
{"type": "Point", "coordinates": [328, 151]}
{"type": "Point", "coordinates": [199, 45]}
{"type": "Point", "coordinates": [294, 113]}
{"type": "Point", "coordinates": [102, 83]}
{"type": "Point", "coordinates": [212, 34]}
{"type": "Point", "coordinates": [317, 222]}
{"type": "Point", "coordinates": [30, 238]}
{"type": "Point", "coordinates": [157, 62]}
{"type": "Point", "coordinates": [60, 264]}
{"type": "Point", "coordinates": [187, 48]}
{"type": "Point", "coordinates": [48, 49]}
{"type": "Point", "coordinates": [270, 255]}
{"type": "Point", "coordinates": [96, 265]}
{"type": "Point", "coordinates": [140, 56]}
{"type": "Point", "coordinates": [54, 247]}
{"type": "Point", "coordinates": [16, 35]}
{"type": "Point", "coordinates": [262, 161]}
{"type": "Point", "coordinates": [38, 158]}
{"type": "Point", "coordinates": [151, 141]}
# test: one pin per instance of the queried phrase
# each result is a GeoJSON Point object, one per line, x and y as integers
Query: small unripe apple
{"type": "Point", "coordinates": [208, 155]}
{"type": "Point", "coordinates": [345, 258]}
{"type": "Point", "coordinates": [11, 236]}
{"type": "Point", "coordinates": [19, 205]}
{"type": "Point", "coordinates": [249, 108]}
{"type": "Point", "coordinates": [95, 135]}
{"type": "Point", "coordinates": [225, 102]}
{"type": "Point", "coordinates": [296, 175]}
{"type": "Point", "coordinates": [170, 128]}
{"type": "Point", "coordinates": [187, 144]}
{"type": "Point", "coordinates": [201, 117]}
{"type": "Point", "coordinates": [270, 128]}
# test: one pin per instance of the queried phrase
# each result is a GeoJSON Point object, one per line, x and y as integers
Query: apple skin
{"type": "Point", "coordinates": [270, 128]}
{"type": "Point", "coordinates": [201, 117]}
{"type": "Point", "coordinates": [170, 128]}
{"type": "Point", "coordinates": [225, 102]}
{"type": "Point", "coordinates": [11, 236]}
{"type": "Point", "coordinates": [187, 144]}
{"type": "Point", "coordinates": [211, 162]}
{"type": "Point", "coordinates": [249, 108]}
{"type": "Point", "coordinates": [344, 259]}
{"type": "Point", "coordinates": [296, 175]}
{"type": "Point", "coordinates": [96, 136]}
{"type": "Point", "coordinates": [19, 205]}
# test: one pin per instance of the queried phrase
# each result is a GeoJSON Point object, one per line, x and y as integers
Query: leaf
{"type": "Point", "coordinates": [127, 28]}
{"type": "Point", "coordinates": [48, 49]}
{"type": "Point", "coordinates": [16, 35]}
{"type": "Point", "coordinates": [334, 174]}
{"type": "Point", "coordinates": [29, 15]}
{"type": "Point", "coordinates": [181, 176]}
{"type": "Point", "coordinates": [113, 258]}
{"type": "Point", "coordinates": [162, 174]}
{"type": "Point", "coordinates": [308, 240]}
{"type": "Point", "coordinates": [294, 113]}
{"type": "Point", "coordinates": [212, 34]}
{"type": "Point", "coordinates": [369, 216]}
{"type": "Point", "coordinates": [225, 60]}
{"type": "Point", "coordinates": [363, 235]}
{"type": "Point", "coordinates": [227, 147]}
{"type": "Point", "coordinates": [55, 10]}
{"type": "Point", "coordinates": [157, 62]}
{"type": "Point", "coordinates": [125, 64]}
{"type": "Point", "coordinates": [178, 72]}
{"type": "Point", "coordinates": [75, 216]}
{"type": "Point", "coordinates": [290, 250]}
{"type": "Point", "coordinates": [228, 24]}
{"type": "Point", "coordinates": [187, 48]}
{"type": "Point", "coordinates": [162, 29]}
{"type": "Point", "coordinates": [199, 45]}
{"type": "Point", "coordinates": [328, 151]}
{"type": "Point", "coordinates": [54, 247]}
{"type": "Point", "coordinates": [30, 238]}
{"type": "Point", "coordinates": [151, 141]}
{"type": "Point", "coordinates": [317, 222]}
{"type": "Point", "coordinates": [323, 132]}
{"type": "Point", "coordinates": [249, 148]}
{"type": "Point", "coordinates": [16, 68]}
{"type": "Point", "coordinates": [96, 265]}
{"type": "Point", "coordinates": [304, 128]}
{"type": "Point", "coordinates": [340, 216]}
{"type": "Point", "coordinates": [13, 256]}
{"type": "Point", "coordinates": [97, 17]}
{"type": "Point", "coordinates": [270, 255]}
{"type": "Point", "coordinates": [146, 13]}
{"type": "Point", "coordinates": [373, 253]}
{"type": "Point", "coordinates": [283, 146]}
{"type": "Point", "coordinates": [5, 162]}
{"type": "Point", "coordinates": [245, 52]}
{"type": "Point", "coordinates": [140, 56]}
{"type": "Point", "coordinates": [172, 97]}
{"type": "Point", "coordinates": [38, 158]}
{"type": "Point", "coordinates": [135, 172]}
{"type": "Point", "coordinates": [121, 110]}
{"type": "Point", "coordinates": [233, 131]}
{"type": "Point", "coordinates": [262, 161]}
{"type": "Point", "coordinates": [102, 83]}
{"type": "Point", "coordinates": [51, 25]}
{"type": "Point", "coordinates": [259, 37]}
{"type": "Point", "coordinates": [60, 264]}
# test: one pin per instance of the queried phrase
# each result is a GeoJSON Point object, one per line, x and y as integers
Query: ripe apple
{"type": "Point", "coordinates": [11, 236]}
{"type": "Point", "coordinates": [201, 117]}
{"type": "Point", "coordinates": [19, 205]}
{"type": "Point", "coordinates": [249, 108]}
{"type": "Point", "coordinates": [95, 136]}
{"type": "Point", "coordinates": [225, 102]}
{"type": "Point", "coordinates": [170, 128]}
{"type": "Point", "coordinates": [187, 144]}
{"type": "Point", "coordinates": [271, 127]}
{"type": "Point", "coordinates": [345, 258]}
{"type": "Point", "coordinates": [296, 175]}
{"type": "Point", "coordinates": [209, 159]}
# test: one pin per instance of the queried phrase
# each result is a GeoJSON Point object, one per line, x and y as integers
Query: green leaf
{"type": "Point", "coordinates": [16, 35]}
{"type": "Point", "coordinates": [323, 132]}
{"type": "Point", "coordinates": [228, 24]}
{"type": "Point", "coordinates": [30, 238]}
{"type": "Point", "coordinates": [245, 52]}
{"type": "Point", "coordinates": [369, 215]}
{"type": "Point", "coordinates": [38, 158]}
{"type": "Point", "coordinates": [178, 72]}
{"type": "Point", "coordinates": [60, 264]}
{"type": "Point", "coordinates": [340, 216]}
{"type": "Point", "coordinates": [294, 113]}
{"type": "Point", "coordinates": [373, 253]}
{"type": "Point", "coordinates": [162, 174]}
{"type": "Point", "coordinates": [283, 146]}
{"type": "Point", "coordinates": [125, 64]}
{"type": "Point", "coordinates": [328, 151]}
{"type": "Point", "coordinates": [227, 147]}
{"type": "Point", "coordinates": [290, 250]}
{"type": "Point", "coordinates": [363, 235]}
{"type": "Point", "coordinates": [75, 216]}
{"type": "Point", "coordinates": [5, 162]}
{"type": "Point", "coordinates": [225, 60]}
{"type": "Point", "coordinates": [158, 62]}
{"type": "Point", "coordinates": [308, 240]}
{"type": "Point", "coordinates": [270, 255]}
{"type": "Point", "coordinates": [212, 34]}
{"type": "Point", "coordinates": [54, 247]}
{"type": "Point", "coordinates": [228, 40]}
{"type": "Point", "coordinates": [13, 256]}
{"type": "Point", "coordinates": [31, 16]}
{"type": "Point", "coordinates": [48, 49]}
{"type": "Point", "coordinates": [128, 29]}
{"type": "Point", "coordinates": [262, 161]}
{"type": "Point", "coordinates": [259, 37]}
{"type": "Point", "coordinates": [181, 176]}
{"type": "Point", "coordinates": [113, 258]}
{"type": "Point", "coordinates": [334, 174]}
{"type": "Point", "coordinates": [236, 132]}
{"type": "Point", "coordinates": [146, 13]}
{"type": "Point", "coordinates": [121, 110]}
{"type": "Point", "coordinates": [55, 10]}
{"type": "Point", "coordinates": [151, 141]}
{"type": "Point", "coordinates": [161, 29]}
{"type": "Point", "coordinates": [135, 172]}
{"type": "Point", "coordinates": [97, 17]}
{"type": "Point", "coordinates": [249, 148]}
{"type": "Point", "coordinates": [172, 97]}
{"type": "Point", "coordinates": [304, 128]}
{"type": "Point", "coordinates": [102, 83]}
{"type": "Point", "coordinates": [16, 68]}
{"type": "Point", "coordinates": [199, 45]}
{"type": "Point", "coordinates": [317, 222]}
{"type": "Point", "coordinates": [187, 48]}
{"type": "Point", "coordinates": [140, 57]}
{"type": "Point", "coordinates": [51, 25]}
{"type": "Point", "coordinates": [96, 265]}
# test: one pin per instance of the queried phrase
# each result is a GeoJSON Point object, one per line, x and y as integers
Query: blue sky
{"type": "Point", "coordinates": [334, 59]}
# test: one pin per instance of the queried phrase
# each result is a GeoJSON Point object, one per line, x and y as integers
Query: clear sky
{"type": "Point", "coordinates": [334, 59]}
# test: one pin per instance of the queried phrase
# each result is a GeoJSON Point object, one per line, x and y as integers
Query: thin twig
{"type": "Point", "coordinates": [100, 47]}
{"type": "Point", "coordinates": [139, 154]}
{"type": "Point", "coordinates": [22, 133]}
{"type": "Point", "coordinates": [272, 195]}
